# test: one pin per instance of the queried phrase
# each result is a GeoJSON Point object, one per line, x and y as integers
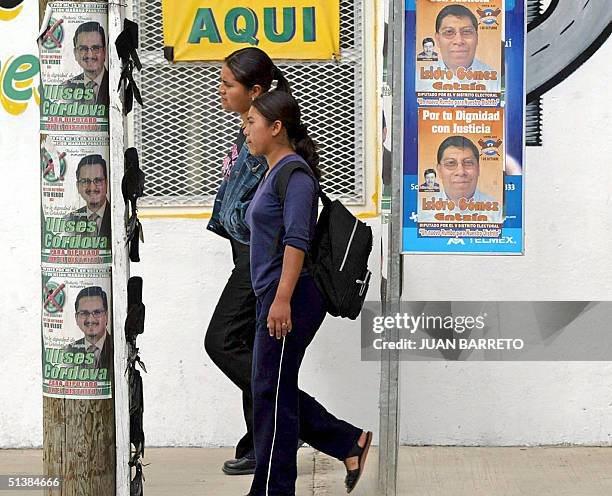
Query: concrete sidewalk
{"type": "Point", "coordinates": [423, 471]}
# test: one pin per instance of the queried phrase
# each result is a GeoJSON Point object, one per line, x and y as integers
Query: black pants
{"type": "Point", "coordinates": [230, 335]}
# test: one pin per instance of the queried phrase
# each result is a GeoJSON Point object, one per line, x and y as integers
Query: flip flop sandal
{"type": "Point", "coordinates": [353, 476]}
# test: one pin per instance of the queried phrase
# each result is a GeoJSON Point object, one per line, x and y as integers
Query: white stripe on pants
{"type": "Point", "coordinates": [280, 366]}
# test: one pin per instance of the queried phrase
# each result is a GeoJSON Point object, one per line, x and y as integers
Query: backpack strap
{"type": "Point", "coordinates": [282, 181]}
{"type": "Point", "coordinates": [280, 188]}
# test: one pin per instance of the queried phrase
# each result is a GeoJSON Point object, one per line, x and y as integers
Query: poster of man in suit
{"type": "Point", "coordinates": [73, 48]}
{"type": "Point", "coordinates": [76, 212]}
{"type": "Point", "coordinates": [91, 316]}
{"type": "Point", "coordinates": [77, 331]}
{"type": "Point", "coordinates": [92, 185]}
{"type": "Point", "coordinates": [90, 53]}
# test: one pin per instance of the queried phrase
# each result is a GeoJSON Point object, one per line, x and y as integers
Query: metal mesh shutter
{"type": "Point", "coordinates": [182, 133]}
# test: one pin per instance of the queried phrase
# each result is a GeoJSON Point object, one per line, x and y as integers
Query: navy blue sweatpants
{"type": "Point", "coordinates": [280, 409]}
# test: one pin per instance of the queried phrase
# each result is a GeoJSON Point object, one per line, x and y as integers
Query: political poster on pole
{"type": "Point", "coordinates": [450, 140]}
{"type": "Point", "coordinates": [464, 101]}
{"type": "Point", "coordinates": [458, 50]}
{"type": "Point", "coordinates": [76, 214]}
{"type": "Point", "coordinates": [77, 339]}
{"type": "Point", "coordinates": [74, 68]}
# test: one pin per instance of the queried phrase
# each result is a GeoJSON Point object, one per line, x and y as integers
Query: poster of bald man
{"type": "Point", "coordinates": [467, 37]}
{"type": "Point", "coordinates": [465, 148]}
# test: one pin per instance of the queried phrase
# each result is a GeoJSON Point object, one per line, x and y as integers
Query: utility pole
{"type": "Point", "coordinates": [77, 301]}
{"type": "Point", "coordinates": [390, 365]}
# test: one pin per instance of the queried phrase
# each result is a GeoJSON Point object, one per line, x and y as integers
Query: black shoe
{"type": "Point", "coordinates": [240, 466]}
{"type": "Point", "coordinates": [353, 476]}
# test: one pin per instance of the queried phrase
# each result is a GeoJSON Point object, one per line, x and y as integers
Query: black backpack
{"type": "Point", "coordinates": [338, 258]}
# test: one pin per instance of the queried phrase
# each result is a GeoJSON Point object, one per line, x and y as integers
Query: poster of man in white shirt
{"type": "Point", "coordinates": [469, 45]}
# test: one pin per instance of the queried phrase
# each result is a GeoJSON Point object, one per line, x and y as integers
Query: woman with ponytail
{"type": "Point", "coordinates": [290, 307]}
{"type": "Point", "coordinates": [245, 74]}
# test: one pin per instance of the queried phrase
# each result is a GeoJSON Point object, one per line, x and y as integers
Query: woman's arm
{"type": "Point", "coordinates": [300, 197]}
{"type": "Point", "coordinates": [280, 311]}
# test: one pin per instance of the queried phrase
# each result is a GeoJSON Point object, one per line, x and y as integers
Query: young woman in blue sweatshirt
{"type": "Point", "coordinates": [290, 307]}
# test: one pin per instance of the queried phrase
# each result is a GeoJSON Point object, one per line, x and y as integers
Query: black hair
{"type": "Point", "coordinates": [252, 66]}
{"type": "Point", "coordinates": [428, 40]}
{"type": "Point", "coordinates": [457, 142]}
{"type": "Point", "coordinates": [430, 171]}
{"type": "Point", "coordinates": [89, 27]}
{"type": "Point", "coordinates": [456, 11]}
{"type": "Point", "coordinates": [281, 106]}
{"type": "Point", "coordinates": [91, 291]}
{"type": "Point", "coordinates": [91, 160]}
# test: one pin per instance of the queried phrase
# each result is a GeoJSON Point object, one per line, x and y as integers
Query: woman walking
{"type": "Point", "coordinates": [245, 74]}
{"type": "Point", "coordinates": [290, 308]}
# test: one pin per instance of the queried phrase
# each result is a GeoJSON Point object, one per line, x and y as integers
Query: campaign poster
{"type": "Point", "coordinates": [461, 171]}
{"type": "Point", "coordinates": [76, 213]}
{"type": "Point", "coordinates": [74, 68]}
{"type": "Point", "coordinates": [458, 49]}
{"type": "Point", "coordinates": [485, 122]}
{"type": "Point", "coordinates": [386, 104]}
{"type": "Point", "coordinates": [77, 341]}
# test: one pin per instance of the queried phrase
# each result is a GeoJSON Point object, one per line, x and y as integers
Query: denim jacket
{"type": "Point", "coordinates": [234, 196]}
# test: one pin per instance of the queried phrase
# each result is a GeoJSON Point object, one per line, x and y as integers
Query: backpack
{"type": "Point", "coordinates": [338, 258]}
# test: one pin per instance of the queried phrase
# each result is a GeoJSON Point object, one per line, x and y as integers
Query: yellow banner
{"type": "Point", "coordinates": [284, 29]}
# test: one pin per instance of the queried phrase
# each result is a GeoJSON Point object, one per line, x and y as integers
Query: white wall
{"type": "Point", "coordinates": [189, 402]}
{"type": "Point", "coordinates": [568, 245]}
{"type": "Point", "coordinates": [20, 291]}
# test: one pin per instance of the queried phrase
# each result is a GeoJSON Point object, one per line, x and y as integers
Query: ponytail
{"type": "Point", "coordinates": [306, 148]}
{"type": "Point", "coordinates": [251, 66]}
{"type": "Point", "coordinates": [281, 82]}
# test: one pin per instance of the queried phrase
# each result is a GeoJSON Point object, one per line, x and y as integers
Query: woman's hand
{"type": "Point", "coordinates": [279, 315]}
{"type": "Point", "coordinates": [279, 318]}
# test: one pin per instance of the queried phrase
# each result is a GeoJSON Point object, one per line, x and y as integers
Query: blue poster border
{"type": "Point", "coordinates": [511, 240]}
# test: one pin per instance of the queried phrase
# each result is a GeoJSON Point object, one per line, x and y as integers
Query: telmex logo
{"type": "Point", "coordinates": [504, 240]}
{"type": "Point", "coordinates": [9, 9]}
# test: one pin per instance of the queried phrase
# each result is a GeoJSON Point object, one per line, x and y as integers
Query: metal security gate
{"type": "Point", "coordinates": [183, 133]}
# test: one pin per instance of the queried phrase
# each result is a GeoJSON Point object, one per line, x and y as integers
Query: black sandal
{"type": "Point", "coordinates": [352, 476]}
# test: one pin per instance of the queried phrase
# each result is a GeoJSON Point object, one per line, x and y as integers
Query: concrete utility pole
{"type": "Point", "coordinates": [390, 364]}
{"type": "Point", "coordinates": [77, 312]}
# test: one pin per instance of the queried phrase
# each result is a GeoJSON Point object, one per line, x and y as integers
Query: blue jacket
{"type": "Point", "coordinates": [234, 196]}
